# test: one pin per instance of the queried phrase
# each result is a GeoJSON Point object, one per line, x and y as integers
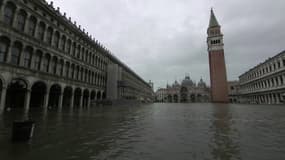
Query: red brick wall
{"type": "Point", "coordinates": [218, 74]}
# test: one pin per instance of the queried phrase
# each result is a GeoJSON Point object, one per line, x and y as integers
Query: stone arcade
{"type": "Point", "coordinates": [48, 61]}
{"type": "Point", "coordinates": [264, 83]}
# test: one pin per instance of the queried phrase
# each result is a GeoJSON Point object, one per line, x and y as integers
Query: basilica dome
{"type": "Point", "coordinates": [187, 82]}
{"type": "Point", "coordinates": [202, 83]}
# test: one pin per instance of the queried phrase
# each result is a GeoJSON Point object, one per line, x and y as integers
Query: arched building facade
{"type": "Point", "coordinates": [264, 83]}
{"type": "Point", "coordinates": [48, 61]}
{"type": "Point", "coordinates": [185, 92]}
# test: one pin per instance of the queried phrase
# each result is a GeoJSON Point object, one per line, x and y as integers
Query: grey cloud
{"type": "Point", "coordinates": [162, 40]}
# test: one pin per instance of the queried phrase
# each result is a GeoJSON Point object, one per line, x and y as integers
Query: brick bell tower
{"type": "Point", "coordinates": [218, 73]}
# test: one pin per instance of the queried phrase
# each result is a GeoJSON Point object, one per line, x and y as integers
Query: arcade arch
{"type": "Point", "coordinates": [54, 96]}
{"type": "Point", "coordinates": [38, 93]}
{"type": "Point", "coordinates": [17, 94]}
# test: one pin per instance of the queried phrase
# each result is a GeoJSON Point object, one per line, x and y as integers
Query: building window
{"type": "Point", "coordinates": [67, 69]}
{"type": "Point", "coordinates": [72, 71]}
{"type": "Point", "coordinates": [21, 20]}
{"type": "Point", "coordinates": [16, 51]}
{"type": "Point", "coordinates": [82, 54]}
{"type": "Point", "coordinates": [49, 35]}
{"type": "Point", "coordinates": [74, 49]}
{"type": "Point", "coordinates": [82, 74]}
{"type": "Point", "coordinates": [32, 26]}
{"type": "Point", "coordinates": [54, 65]}
{"type": "Point", "coordinates": [56, 39]}
{"type": "Point", "coordinates": [41, 31]}
{"type": "Point", "coordinates": [92, 59]}
{"type": "Point", "coordinates": [28, 57]}
{"type": "Point", "coordinates": [274, 66]}
{"type": "Point", "coordinates": [9, 13]}
{"type": "Point", "coordinates": [60, 68]}
{"type": "Point", "coordinates": [63, 42]}
{"type": "Point", "coordinates": [46, 63]}
{"type": "Point", "coordinates": [4, 44]}
{"type": "Point", "coordinates": [86, 76]}
{"type": "Point", "coordinates": [37, 60]}
{"type": "Point", "coordinates": [68, 46]}
{"type": "Point", "coordinates": [86, 56]}
{"type": "Point", "coordinates": [283, 62]}
{"type": "Point", "coordinates": [78, 51]}
{"type": "Point", "coordinates": [76, 73]}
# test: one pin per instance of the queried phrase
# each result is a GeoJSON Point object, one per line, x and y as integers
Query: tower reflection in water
{"type": "Point", "coordinates": [224, 144]}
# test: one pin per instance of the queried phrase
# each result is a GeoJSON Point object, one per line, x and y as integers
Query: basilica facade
{"type": "Point", "coordinates": [185, 92]}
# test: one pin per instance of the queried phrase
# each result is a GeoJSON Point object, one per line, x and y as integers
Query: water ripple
{"type": "Point", "coordinates": [156, 131]}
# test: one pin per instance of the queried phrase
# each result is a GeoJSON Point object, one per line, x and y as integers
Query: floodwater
{"type": "Point", "coordinates": [152, 132]}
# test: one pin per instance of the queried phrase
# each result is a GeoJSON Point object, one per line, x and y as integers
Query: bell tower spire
{"type": "Point", "coordinates": [218, 75]}
{"type": "Point", "coordinates": [213, 20]}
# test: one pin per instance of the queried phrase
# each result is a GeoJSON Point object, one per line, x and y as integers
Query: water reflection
{"type": "Point", "coordinates": [223, 144]}
{"type": "Point", "coordinates": [157, 131]}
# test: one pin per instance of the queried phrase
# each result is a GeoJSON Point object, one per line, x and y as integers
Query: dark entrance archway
{"type": "Point", "coordinates": [99, 95]}
{"type": "Point", "coordinates": [67, 97]}
{"type": "Point", "coordinates": [104, 96]}
{"type": "Point", "coordinates": [54, 94]}
{"type": "Point", "coordinates": [77, 97]}
{"type": "Point", "coordinates": [183, 94]}
{"type": "Point", "coordinates": [1, 87]}
{"type": "Point", "coordinates": [193, 98]}
{"type": "Point", "coordinates": [93, 95]}
{"type": "Point", "coordinates": [175, 98]}
{"type": "Point", "coordinates": [199, 98]}
{"type": "Point", "coordinates": [16, 94]}
{"type": "Point", "coordinates": [169, 97]}
{"type": "Point", "coordinates": [1, 98]}
{"type": "Point", "coordinates": [85, 98]}
{"type": "Point", "coordinates": [39, 90]}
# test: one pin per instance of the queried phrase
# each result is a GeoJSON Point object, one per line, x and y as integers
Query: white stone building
{"type": "Point", "coordinates": [265, 83]}
{"type": "Point", "coordinates": [233, 90]}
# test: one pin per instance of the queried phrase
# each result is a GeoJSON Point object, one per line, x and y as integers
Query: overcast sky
{"type": "Point", "coordinates": [162, 40]}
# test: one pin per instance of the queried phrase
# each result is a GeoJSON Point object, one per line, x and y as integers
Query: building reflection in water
{"type": "Point", "coordinates": [224, 143]}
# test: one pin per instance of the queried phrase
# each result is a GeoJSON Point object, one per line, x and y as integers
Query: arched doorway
{"type": "Point", "coordinates": [1, 87]}
{"type": "Point", "coordinates": [200, 98]}
{"type": "Point", "coordinates": [67, 97]}
{"type": "Point", "coordinates": [175, 98]}
{"type": "Point", "coordinates": [184, 94]}
{"type": "Point", "coordinates": [77, 97]}
{"type": "Point", "coordinates": [85, 98]}
{"type": "Point", "coordinates": [93, 95]}
{"type": "Point", "coordinates": [99, 95]}
{"type": "Point", "coordinates": [54, 95]}
{"type": "Point", "coordinates": [193, 98]}
{"type": "Point", "coordinates": [104, 96]}
{"type": "Point", "coordinates": [16, 94]}
{"type": "Point", "coordinates": [169, 97]}
{"type": "Point", "coordinates": [39, 90]}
